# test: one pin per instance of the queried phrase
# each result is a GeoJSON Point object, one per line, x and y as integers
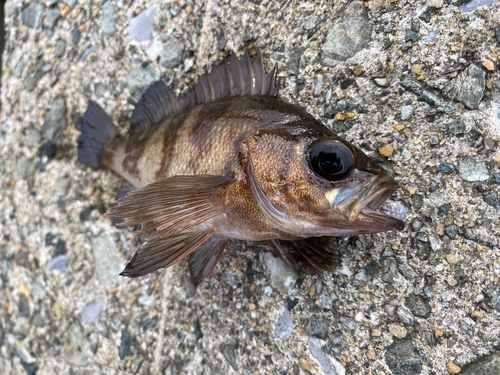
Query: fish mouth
{"type": "Point", "coordinates": [375, 196]}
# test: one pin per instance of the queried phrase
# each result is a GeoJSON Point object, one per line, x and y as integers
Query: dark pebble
{"type": "Point", "coordinates": [372, 268]}
{"type": "Point", "coordinates": [55, 121]}
{"type": "Point", "coordinates": [32, 15]}
{"type": "Point", "coordinates": [411, 36]}
{"type": "Point", "coordinates": [60, 248]}
{"type": "Point", "coordinates": [228, 353]}
{"type": "Point", "coordinates": [418, 305]}
{"type": "Point", "coordinates": [497, 33]}
{"type": "Point", "coordinates": [417, 201]}
{"type": "Point", "coordinates": [47, 153]}
{"type": "Point", "coordinates": [197, 330]}
{"type": "Point", "coordinates": [407, 271]}
{"type": "Point", "coordinates": [415, 27]}
{"type": "Point", "coordinates": [72, 53]}
{"type": "Point", "coordinates": [76, 35]}
{"type": "Point", "coordinates": [456, 128]}
{"type": "Point", "coordinates": [317, 328]}
{"type": "Point", "coordinates": [446, 168]}
{"type": "Point", "coordinates": [328, 347]}
{"type": "Point", "coordinates": [30, 368]}
{"type": "Point", "coordinates": [433, 187]}
{"type": "Point", "coordinates": [345, 83]}
{"type": "Point", "coordinates": [291, 304]}
{"type": "Point", "coordinates": [50, 20]}
{"type": "Point", "coordinates": [425, 16]}
{"type": "Point", "coordinates": [402, 357]}
{"type": "Point", "coordinates": [486, 365]}
{"type": "Point", "coordinates": [474, 134]}
{"type": "Point", "coordinates": [49, 238]}
{"type": "Point", "coordinates": [188, 284]}
{"type": "Point", "coordinates": [330, 112]}
{"type": "Point", "coordinates": [434, 141]}
{"type": "Point", "coordinates": [24, 305]}
{"type": "Point", "coordinates": [444, 209]}
{"type": "Point", "coordinates": [148, 324]}
{"type": "Point", "coordinates": [450, 232]}
{"type": "Point", "coordinates": [492, 200]}
{"type": "Point", "coordinates": [279, 48]}
{"type": "Point", "coordinates": [125, 344]}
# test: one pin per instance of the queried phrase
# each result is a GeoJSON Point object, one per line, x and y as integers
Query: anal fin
{"type": "Point", "coordinates": [202, 261]}
{"type": "Point", "coordinates": [312, 255]}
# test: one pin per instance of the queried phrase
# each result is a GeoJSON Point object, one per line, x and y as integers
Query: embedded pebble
{"type": "Point", "coordinates": [402, 357]}
{"type": "Point", "coordinates": [32, 15]}
{"type": "Point", "coordinates": [108, 21]}
{"type": "Point", "coordinates": [140, 78]}
{"type": "Point", "coordinates": [317, 328]}
{"type": "Point", "coordinates": [472, 169]}
{"type": "Point", "coordinates": [467, 87]}
{"type": "Point", "coordinates": [453, 368]}
{"type": "Point", "coordinates": [492, 201]}
{"type": "Point", "coordinates": [172, 53]}
{"type": "Point", "coordinates": [141, 26]}
{"type": "Point", "coordinates": [474, 4]}
{"type": "Point", "coordinates": [92, 311]}
{"type": "Point", "coordinates": [74, 349]}
{"type": "Point", "coordinates": [59, 262]}
{"type": "Point", "coordinates": [55, 121]}
{"type": "Point", "coordinates": [349, 34]}
{"type": "Point", "coordinates": [280, 276]}
{"type": "Point", "coordinates": [154, 50]}
{"type": "Point", "coordinates": [324, 361]}
{"type": "Point", "coordinates": [284, 326]}
{"type": "Point", "coordinates": [418, 305]}
{"type": "Point", "coordinates": [406, 112]}
{"type": "Point", "coordinates": [106, 264]}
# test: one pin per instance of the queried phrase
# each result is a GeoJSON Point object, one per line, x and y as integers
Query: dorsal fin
{"type": "Point", "coordinates": [238, 78]}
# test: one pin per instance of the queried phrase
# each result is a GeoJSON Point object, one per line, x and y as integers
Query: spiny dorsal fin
{"type": "Point", "coordinates": [238, 78]}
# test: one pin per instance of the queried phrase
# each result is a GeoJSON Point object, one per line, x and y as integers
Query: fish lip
{"type": "Point", "coordinates": [386, 188]}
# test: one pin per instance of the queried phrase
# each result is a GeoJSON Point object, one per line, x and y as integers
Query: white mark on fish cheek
{"type": "Point", "coordinates": [330, 196]}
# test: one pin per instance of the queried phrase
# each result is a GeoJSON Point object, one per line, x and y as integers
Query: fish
{"type": "Point", "coordinates": [231, 160]}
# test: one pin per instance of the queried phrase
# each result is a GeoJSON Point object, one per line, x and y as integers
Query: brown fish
{"type": "Point", "coordinates": [231, 160]}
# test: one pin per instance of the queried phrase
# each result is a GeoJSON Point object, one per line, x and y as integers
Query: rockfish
{"type": "Point", "coordinates": [232, 160]}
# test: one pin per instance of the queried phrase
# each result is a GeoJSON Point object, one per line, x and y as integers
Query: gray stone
{"type": "Point", "coordinates": [50, 20]}
{"type": "Point", "coordinates": [418, 201]}
{"type": "Point", "coordinates": [350, 33]}
{"type": "Point", "coordinates": [106, 264]}
{"type": "Point", "coordinates": [55, 121]}
{"type": "Point", "coordinates": [317, 328]}
{"type": "Point", "coordinates": [402, 357]}
{"type": "Point", "coordinates": [92, 311]}
{"type": "Point", "coordinates": [172, 53]}
{"type": "Point", "coordinates": [141, 26]}
{"type": "Point", "coordinates": [280, 276]}
{"type": "Point", "coordinates": [318, 85]}
{"type": "Point", "coordinates": [74, 351]}
{"type": "Point", "coordinates": [383, 82]}
{"type": "Point", "coordinates": [311, 22]}
{"type": "Point", "coordinates": [22, 350]}
{"type": "Point", "coordinates": [434, 141]}
{"type": "Point", "coordinates": [189, 286]}
{"type": "Point", "coordinates": [62, 186]}
{"type": "Point", "coordinates": [60, 47]}
{"type": "Point", "coordinates": [450, 231]}
{"type": "Point", "coordinates": [59, 262]}
{"type": "Point", "coordinates": [472, 169]}
{"type": "Point", "coordinates": [142, 77]}
{"type": "Point", "coordinates": [87, 52]}
{"type": "Point", "coordinates": [406, 112]}
{"type": "Point", "coordinates": [404, 316]}
{"type": "Point", "coordinates": [124, 350]}
{"type": "Point", "coordinates": [108, 22]}
{"type": "Point", "coordinates": [445, 168]}
{"type": "Point", "coordinates": [25, 167]}
{"type": "Point", "coordinates": [456, 128]}
{"type": "Point", "coordinates": [417, 225]}
{"type": "Point", "coordinates": [361, 278]}
{"type": "Point", "coordinates": [76, 35]}
{"type": "Point", "coordinates": [348, 323]}
{"type": "Point", "coordinates": [486, 365]}
{"type": "Point", "coordinates": [431, 37]}
{"type": "Point", "coordinates": [492, 200]}
{"type": "Point", "coordinates": [467, 87]}
{"type": "Point", "coordinates": [324, 361]}
{"type": "Point", "coordinates": [284, 326]}
{"type": "Point", "coordinates": [406, 270]}
{"type": "Point", "coordinates": [32, 15]}
{"type": "Point", "coordinates": [418, 305]}
{"type": "Point", "coordinates": [444, 209]}
{"type": "Point", "coordinates": [411, 36]}
{"type": "Point", "coordinates": [228, 353]}
{"type": "Point", "coordinates": [18, 69]}
{"type": "Point", "coordinates": [489, 143]}
{"type": "Point", "coordinates": [474, 4]}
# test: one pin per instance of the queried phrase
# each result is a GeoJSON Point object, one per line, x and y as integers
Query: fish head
{"type": "Point", "coordinates": [312, 185]}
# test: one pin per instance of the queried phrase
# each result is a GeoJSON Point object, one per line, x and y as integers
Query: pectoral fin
{"type": "Point", "coordinates": [166, 251]}
{"type": "Point", "coordinates": [312, 255]}
{"type": "Point", "coordinates": [172, 205]}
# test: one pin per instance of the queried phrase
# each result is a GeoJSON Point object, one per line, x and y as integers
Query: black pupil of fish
{"type": "Point", "coordinates": [330, 163]}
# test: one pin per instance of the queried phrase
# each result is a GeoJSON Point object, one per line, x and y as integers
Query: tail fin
{"type": "Point", "coordinates": [97, 128]}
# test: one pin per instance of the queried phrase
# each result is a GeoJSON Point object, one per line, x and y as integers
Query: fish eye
{"type": "Point", "coordinates": [331, 159]}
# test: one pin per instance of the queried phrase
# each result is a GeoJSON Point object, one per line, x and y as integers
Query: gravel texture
{"type": "Point", "coordinates": [415, 84]}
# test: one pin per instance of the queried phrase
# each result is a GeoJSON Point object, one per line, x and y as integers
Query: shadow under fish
{"type": "Point", "coordinates": [232, 160]}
